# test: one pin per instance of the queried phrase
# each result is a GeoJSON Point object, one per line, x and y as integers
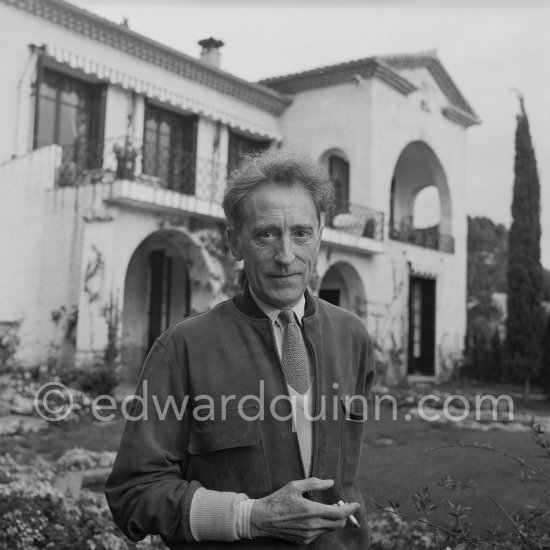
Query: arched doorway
{"type": "Point", "coordinates": [420, 209]}
{"type": "Point", "coordinates": [342, 286]}
{"type": "Point", "coordinates": [156, 294]}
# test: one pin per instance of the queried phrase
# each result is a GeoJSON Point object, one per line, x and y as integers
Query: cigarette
{"type": "Point", "coordinates": [351, 517]}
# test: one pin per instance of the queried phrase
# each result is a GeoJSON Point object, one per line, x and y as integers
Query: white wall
{"type": "Point", "coordinates": [335, 117]}
{"type": "Point", "coordinates": [41, 247]}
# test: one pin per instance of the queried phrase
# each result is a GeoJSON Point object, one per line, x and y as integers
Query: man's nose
{"type": "Point", "coordinates": [285, 254]}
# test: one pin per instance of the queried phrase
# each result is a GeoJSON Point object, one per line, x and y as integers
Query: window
{"type": "Point", "coordinates": [169, 148]}
{"type": "Point", "coordinates": [240, 146]}
{"type": "Point", "coordinates": [339, 173]}
{"type": "Point", "coordinates": [69, 113]}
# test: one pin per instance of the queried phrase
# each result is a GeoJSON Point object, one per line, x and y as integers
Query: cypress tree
{"type": "Point", "coordinates": [525, 321]}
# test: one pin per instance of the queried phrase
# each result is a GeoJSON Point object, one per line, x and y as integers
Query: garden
{"type": "Point", "coordinates": [474, 483]}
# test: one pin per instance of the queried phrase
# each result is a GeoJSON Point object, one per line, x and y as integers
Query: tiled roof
{"type": "Point", "coordinates": [387, 69]}
{"type": "Point", "coordinates": [123, 39]}
{"type": "Point", "coordinates": [336, 74]}
{"type": "Point", "coordinates": [430, 61]}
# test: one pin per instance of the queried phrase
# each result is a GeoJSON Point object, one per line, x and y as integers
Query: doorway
{"type": "Point", "coordinates": [421, 326]}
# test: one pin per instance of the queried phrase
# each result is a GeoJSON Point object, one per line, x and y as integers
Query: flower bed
{"type": "Point", "coordinates": [35, 515]}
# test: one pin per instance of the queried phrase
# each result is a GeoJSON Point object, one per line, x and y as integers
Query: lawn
{"type": "Point", "coordinates": [395, 460]}
{"type": "Point", "coordinates": [396, 463]}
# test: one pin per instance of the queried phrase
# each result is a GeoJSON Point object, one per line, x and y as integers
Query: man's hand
{"type": "Point", "coordinates": [286, 514]}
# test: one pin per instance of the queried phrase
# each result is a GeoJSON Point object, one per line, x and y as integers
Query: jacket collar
{"type": "Point", "coordinates": [245, 303]}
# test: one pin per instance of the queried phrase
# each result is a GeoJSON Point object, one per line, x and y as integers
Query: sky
{"type": "Point", "coordinates": [492, 49]}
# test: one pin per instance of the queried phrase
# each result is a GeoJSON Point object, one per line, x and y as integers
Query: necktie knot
{"type": "Point", "coordinates": [287, 316]}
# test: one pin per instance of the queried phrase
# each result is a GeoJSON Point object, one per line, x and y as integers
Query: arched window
{"type": "Point", "coordinates": [339, 173]}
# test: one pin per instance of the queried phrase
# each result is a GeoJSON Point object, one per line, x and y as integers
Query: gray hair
{"type": "Point", "coordinates": [280, 167]}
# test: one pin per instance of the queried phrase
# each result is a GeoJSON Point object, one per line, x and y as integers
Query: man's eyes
{"type": "Point", "coordinates": [302, 234]}
{"type": "Point", "coordinates": [266, 235]}
{"type": "Point", "coordinates": [298, 234]}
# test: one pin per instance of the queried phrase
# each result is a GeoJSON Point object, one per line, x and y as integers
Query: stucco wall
{"type": "Point", "coordinates": [41, 250]}
{"type": "Point", "coordinates": [335, 117]}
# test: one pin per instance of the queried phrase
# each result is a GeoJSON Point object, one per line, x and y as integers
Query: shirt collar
{"type": "Point", "coordinates": [272, 312]}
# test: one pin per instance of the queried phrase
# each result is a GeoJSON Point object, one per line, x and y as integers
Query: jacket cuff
{"type": "Point", "coordinates": [213, 515]}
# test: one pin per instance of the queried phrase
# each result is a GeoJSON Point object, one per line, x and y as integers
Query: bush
{"type": "Point", "coordinates": [34, 515]}
{"type": "Point", "coordinates": [96, 379]}
{"type": "Point", "coordinates": [527, 529]}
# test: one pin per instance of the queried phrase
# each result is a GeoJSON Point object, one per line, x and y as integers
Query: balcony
{"type": "Point", "coordinates": [359, 221]}
{"type": "Point", "coordinates": [165, 179]}
{"type": "Point", "coordinates": [428, 237]}
{"type": "Point", "coordinates": [148, 164]}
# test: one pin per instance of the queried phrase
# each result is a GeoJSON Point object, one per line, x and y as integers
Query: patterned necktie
{"type": "Point", "coordinates": [293, 353]}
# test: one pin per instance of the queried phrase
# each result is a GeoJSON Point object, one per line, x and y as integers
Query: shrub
{"type": "Point", "coordinates": [96, 379]}
{"type": "Point", "coordinates": [34, 515]}
{"type": "Point", "coordinates": [529, 529]}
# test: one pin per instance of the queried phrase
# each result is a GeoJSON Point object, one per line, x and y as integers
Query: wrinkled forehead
{"type": "Point", "coordinates": [275, 200]}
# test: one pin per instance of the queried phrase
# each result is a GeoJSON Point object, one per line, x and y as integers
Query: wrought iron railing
{"type": "Point", "coordinates": [150, 163]}
{"type": "Point", "coordinates": [87, 162]}
{"type": "Point", "coordinates": [429, 237]}
{"type": "Point", "coordinates": [357, 220]}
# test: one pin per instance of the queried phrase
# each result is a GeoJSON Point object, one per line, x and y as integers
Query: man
{"type": "Point", "coordinates": [271, 434]}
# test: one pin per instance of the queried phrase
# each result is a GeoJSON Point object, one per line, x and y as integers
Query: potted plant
{"type": "Point", "coordinates": [125, 154]}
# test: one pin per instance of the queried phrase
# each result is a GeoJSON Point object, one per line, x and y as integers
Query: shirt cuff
{"type": "Point", "coordinates": [214, 515]}
{"type": "Point", "coordinates": [243, 518]}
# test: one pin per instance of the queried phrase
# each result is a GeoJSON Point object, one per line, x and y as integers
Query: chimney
{"type": "Point", "coordinates": [210, 54]}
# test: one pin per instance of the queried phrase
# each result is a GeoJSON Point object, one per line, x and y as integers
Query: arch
{"type": "Point", "coordinates": [162, 285]}
{"type": "Point", "coordinates": [418, 168]}
{"type": "Point", "coordinates": [334, 151]}
{"type": "Point", "coordinates": [337, 164]}
{"type": "Point", "coordinates": [342, 286]}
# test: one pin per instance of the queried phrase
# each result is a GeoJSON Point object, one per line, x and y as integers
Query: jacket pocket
{"type": "Point", "coordinates": [352, 427]}
{"type": "Point", "coordinates": [226, 452]}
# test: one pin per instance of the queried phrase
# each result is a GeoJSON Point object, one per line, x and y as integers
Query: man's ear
{"type": "Point", "coordinates": [234, 245]}
{"type": "Point", "coordinates": [321, 227]}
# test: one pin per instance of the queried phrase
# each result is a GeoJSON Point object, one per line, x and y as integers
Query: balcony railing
{"type": "Point", "coordinates": [359, 221]}
{"type": "Point", "coordinates": [148, 163]}
{"type": "Point", "coordinates": [165, 167]}
{"type": "Point", "coordinates": [429, 237]}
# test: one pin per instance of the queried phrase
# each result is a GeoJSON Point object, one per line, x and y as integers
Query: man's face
{"type": "Point", "coordinates": [278, 242]}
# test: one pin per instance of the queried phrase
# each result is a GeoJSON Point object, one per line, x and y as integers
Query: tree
{"type": "Point", "coordinates": [487, 261]}
{"type": "Point", "coordinates": [545, 378]}
{"type": "Point", "coordinates": [525, 321]}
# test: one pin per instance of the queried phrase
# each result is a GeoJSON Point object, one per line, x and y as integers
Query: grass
{"type": "Point", "coordinates": [396, 463]}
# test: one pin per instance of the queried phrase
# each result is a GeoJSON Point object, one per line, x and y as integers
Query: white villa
{"type": "Point", "coordinates": [114, 151]}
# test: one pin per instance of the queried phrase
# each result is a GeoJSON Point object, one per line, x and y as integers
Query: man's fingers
{"type": "Point", "coordinates": [312, 484]}
{"type": "Point", "coordinates": [338, 512]}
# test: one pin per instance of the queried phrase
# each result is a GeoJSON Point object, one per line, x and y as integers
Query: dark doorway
{"type": "Point", "coordinates": [422, 326]}
{"type": "Point", "coordinates": [160, 272]}
{"type": "Point", "coordinates": [331, 295]}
